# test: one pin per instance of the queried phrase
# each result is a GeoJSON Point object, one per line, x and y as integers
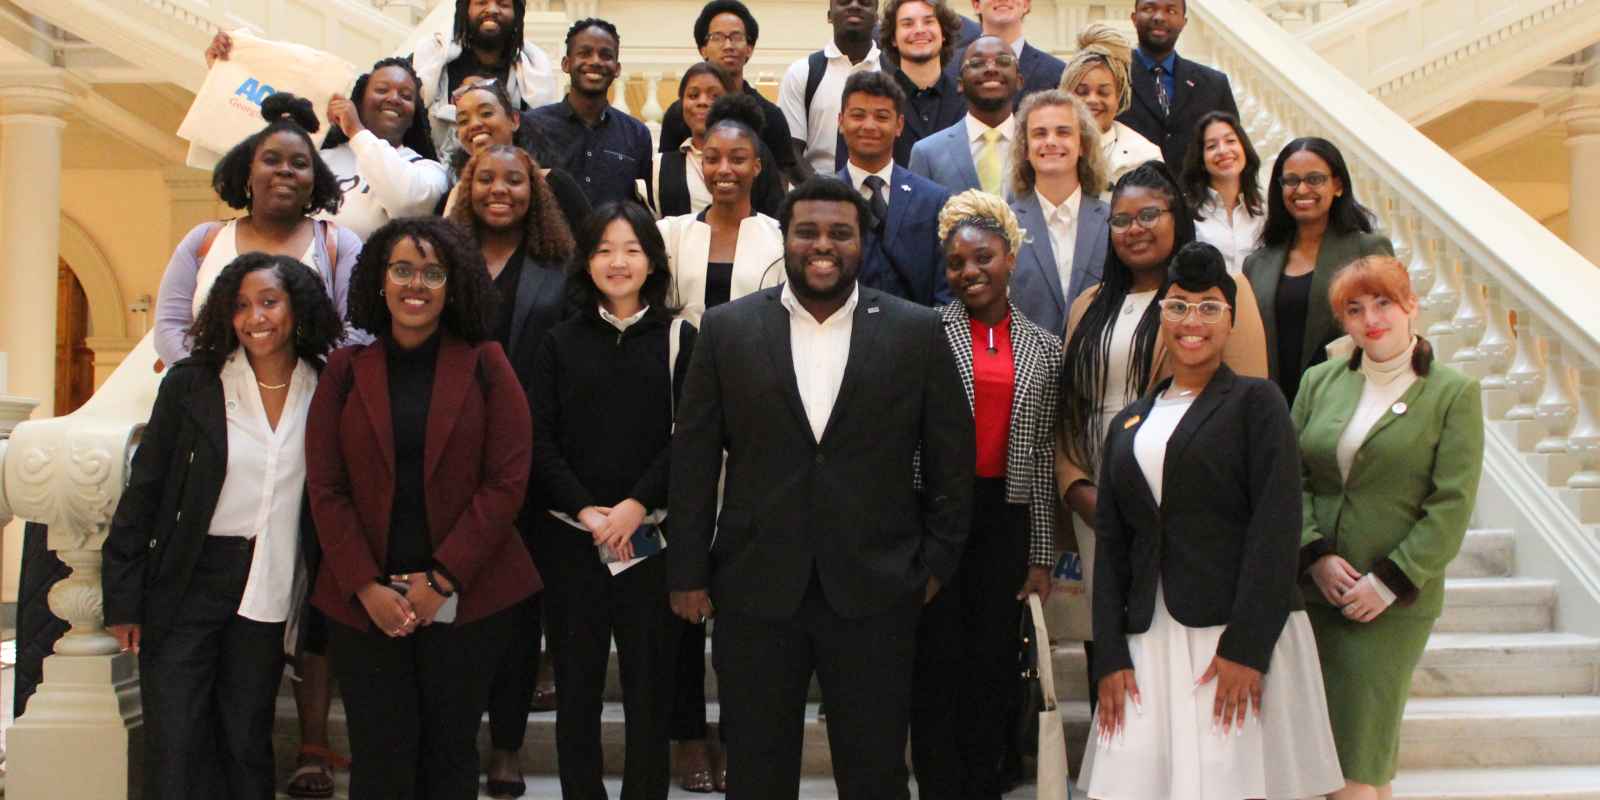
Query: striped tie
{"type": "Point", "coordinates": [990, 163]}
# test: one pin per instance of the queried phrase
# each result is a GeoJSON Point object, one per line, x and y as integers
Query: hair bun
{"type": "Point", "coordinates": [296, 108]}
{"type": "Point", "coordinates": [738, 107]}
{"type": "Point", "coordinates": [1102, 38]}
{"type": "Point", "coordinates": [1199, 266]}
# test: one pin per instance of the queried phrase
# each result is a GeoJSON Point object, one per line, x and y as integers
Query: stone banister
{"type": "Point", "coordinates": [1479, 262]}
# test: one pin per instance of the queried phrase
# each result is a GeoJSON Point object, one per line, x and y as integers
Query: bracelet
{"type": "Point", "coordinates": [433, 583]}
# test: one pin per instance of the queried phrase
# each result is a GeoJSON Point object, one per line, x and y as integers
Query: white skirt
{"type": "Point", "coordinates": [1169, 750]}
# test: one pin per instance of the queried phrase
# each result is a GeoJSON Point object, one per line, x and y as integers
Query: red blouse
{"type": "Point", "coordinates": [994, 379]}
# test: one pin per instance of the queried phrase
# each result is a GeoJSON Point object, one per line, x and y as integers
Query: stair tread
{"type": "Point", "coordinates": [1502, 782]}
{"type": "Point", "coordinates": [1525, 706]}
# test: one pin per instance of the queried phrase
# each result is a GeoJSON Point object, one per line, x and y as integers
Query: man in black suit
{"type": "Point", "coordinates": [1170, 94]}
{"type": "Point", "coordinates": [821, 393]}
{"type": "Point", "coordinates": [1003, 18]}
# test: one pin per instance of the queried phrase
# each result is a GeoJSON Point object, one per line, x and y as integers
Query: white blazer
{"type": "Point", "coordinates": [1125, 148]}
{"type": "Point", "coordinates": [757, 260]}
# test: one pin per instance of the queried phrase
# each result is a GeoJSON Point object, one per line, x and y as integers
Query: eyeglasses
{"type": "Point", "coordinates": [404, 274]}
{"type": "Point", "coordinates": [1002, 62]}
{"type": "Point", "coordinates": [736, 38]}
{"type": "Point", "coordinates": [1146, 218]}
{"type": "Point", "coordinates": [1315, 180]}
{"type": "Point", "coordinates": [1210, 311]}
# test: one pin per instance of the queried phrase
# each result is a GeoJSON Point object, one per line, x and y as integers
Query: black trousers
{"type": "Point", "coordinates": [511, 693]}
{"type": "Point", "coordinates": [209, 684]}
{"type": "Point", "coordinates": [967, 648]}
{"type": "Point", "coordinates": [413, 705]}
{"type": "Point", "coordinates": [585, 607]}
{"type": "Point", "coordinates": [863, 665]}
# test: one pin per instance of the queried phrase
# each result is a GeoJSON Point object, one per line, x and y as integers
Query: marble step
{"type": "Point", "coordinates": [1438, 733]}
{"type": "Point", "coordinates": [1527, 783]}
{"type": "Point", "coordinates": [1497, 605]}
{"type": "Point", "coordinates": [1485, 553]}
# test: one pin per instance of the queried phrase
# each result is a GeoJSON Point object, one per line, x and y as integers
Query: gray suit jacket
{"type": "Point", "coordinates": [946, 159]}
{"type": "Point", "coordinates": [1036, 282]}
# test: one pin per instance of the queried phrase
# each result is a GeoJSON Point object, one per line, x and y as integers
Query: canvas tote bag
{"type": "Point", "coordinates": [1053, 782]}
{"type": "Point", "coordinates": [227, 108]}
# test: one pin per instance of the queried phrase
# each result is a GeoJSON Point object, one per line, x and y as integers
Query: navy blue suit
{"type": "Point", "coordinates": [905, 258]}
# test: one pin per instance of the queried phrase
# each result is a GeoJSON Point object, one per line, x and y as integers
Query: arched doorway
{"type": "Point", "coordinates": [74, 359]}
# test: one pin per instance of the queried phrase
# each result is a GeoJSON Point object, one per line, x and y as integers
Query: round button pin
{"type": "Point", "coordinates": [1398, 408]}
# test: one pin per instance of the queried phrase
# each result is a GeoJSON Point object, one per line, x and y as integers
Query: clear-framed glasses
{"type": "Point", "coordinates": [433, 276]}
{"type": "Point", "coordinates": [1315, 180]}
{"type": "Point", "coordinates": [1000, 61]}
{"type": "Point", "coordinates": [1146, 217]}
{"type": "Point", "coordinates": [735, 38]}
{"type": "Point", "coordinates": [1209, 311]}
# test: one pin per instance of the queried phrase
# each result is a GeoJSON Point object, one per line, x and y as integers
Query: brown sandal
{"type": "Point", "coordinates": [313, 778]}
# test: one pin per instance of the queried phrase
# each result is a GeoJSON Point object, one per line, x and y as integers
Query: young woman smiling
{"type": "Point", "coordinates": [485, 117]}
{"type": "Point", "coordinates": [1194, 595]}
{"type": "Point", "coordinates": [206, 544]}
{"type": "Point", "coordinates": [966, 638]}
{"type": "Point", "coordinates": [604, 388]}
{"type": "Point", "coordinates": [682, 184]}
{"type": "Point", "coordinates": [1221, 179]}
{"type": "Point", "coordinates": [1391, 447]}
{"type": "Point", "coordinates": [1098, 75]}
{"type": "Point", "coordinates": [418, 449]}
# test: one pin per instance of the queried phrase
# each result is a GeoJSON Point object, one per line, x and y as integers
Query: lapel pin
{"type": "Point", "coordinates": [905, 187]}
{"type": "Point", "coordinates": [872, 309]}
{"type": "Point", "coordinates": [232, 405]}
{"type": "Point", "coordinates": [1132, 421]}
{"type": "Point", "coordinates": [1398, 408]}
{"type": "Point", "coordinates": [1191, 84]}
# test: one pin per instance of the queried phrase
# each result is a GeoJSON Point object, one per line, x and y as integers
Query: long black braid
{"type": "Point", "coordinates": [1088, 355]}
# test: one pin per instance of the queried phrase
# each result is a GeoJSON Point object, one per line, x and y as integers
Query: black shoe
{"type": "Point", "coordinates": [507, 789]}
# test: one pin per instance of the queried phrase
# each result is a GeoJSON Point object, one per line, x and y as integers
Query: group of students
{"type": "Point", "coordinates": [478, 367]}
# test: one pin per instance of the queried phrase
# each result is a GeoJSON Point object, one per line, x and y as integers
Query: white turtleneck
{"type": "Point", "coordinates": [1385, 383]}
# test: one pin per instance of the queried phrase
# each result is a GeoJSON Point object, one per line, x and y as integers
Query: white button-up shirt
{"type": "Point", "coordinates": [1062, 221]}
{"type": "Point", "coordinates": [262, 491]}
{"type": "Point", "coordinates": [1008, 130]}
{"type": "Point", "coordinates": [858, 178]}
{"type": "Point", "coordinates": [1235, 232]}
{"type": "Point", "coordinates": [818, 126]}
{"type": "Point", "coordinates": [622, 324]}
{"type": "Point", "coordinates": [821, 350]}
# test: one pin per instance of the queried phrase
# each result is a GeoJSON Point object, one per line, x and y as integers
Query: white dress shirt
{"type": "Point", "coordinates": [818, 126]}
{"type": "Point", "coordinates": [1008, 130]}
{"type": "Point", "coordinates": [264, 485]}
{"type": "Point", "coordinates": [1235, 232]}
{"type": "Point", "coordinates": [622, 323]}
{"type": "Point", "coordinates": [821, 350]}
{"type": "Point", "coordinates": [1062, 222]}
{"type": "Point", "coordinates": [858, 177]}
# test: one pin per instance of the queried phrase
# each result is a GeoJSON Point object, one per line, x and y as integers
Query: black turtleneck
{"type": "Point", "coordinates": [410, 392]}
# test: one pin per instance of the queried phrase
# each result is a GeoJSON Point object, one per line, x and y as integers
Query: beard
{"type": "Point", "coordinates": [987, 104]}
{"type": "Point", "coordinates": [482, 40]}
{"type": "Point", "coordinates": [796, 273]}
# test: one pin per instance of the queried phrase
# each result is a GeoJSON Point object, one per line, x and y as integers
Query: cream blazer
{"type": "Point", "coordinates": [757, 261]}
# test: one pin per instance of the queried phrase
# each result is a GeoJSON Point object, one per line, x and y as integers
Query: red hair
{"type": "Point", "coordinates": [1383, 276]}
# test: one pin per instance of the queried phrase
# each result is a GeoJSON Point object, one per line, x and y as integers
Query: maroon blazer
{"type": "Point", "coordinates": [475, 471]}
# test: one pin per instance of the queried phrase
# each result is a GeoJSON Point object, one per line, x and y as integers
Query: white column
{"type": "Point", "coordinates": [32, 106]}
{"type": "Point", "coordinates": [12, 411]}
{"type": "Point", "coordinates": [1582, 117]}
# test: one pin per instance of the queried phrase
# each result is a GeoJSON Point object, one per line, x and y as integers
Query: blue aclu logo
{"type": "Point", "coordinates": [255, 91]}
{"type": "Point", "coordinates": [1068, 568]}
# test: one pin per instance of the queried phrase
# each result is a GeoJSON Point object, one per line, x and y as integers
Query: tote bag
{"type": "Point", "coordinates": [1053, 782]}
{"type": "Point", "coordinates": [227, 108]}
{"type": "Point", "coordinates": [1070, 609]}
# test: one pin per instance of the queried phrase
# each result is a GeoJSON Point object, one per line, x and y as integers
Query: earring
{"type": "Point", "coordinates": [380, 292]}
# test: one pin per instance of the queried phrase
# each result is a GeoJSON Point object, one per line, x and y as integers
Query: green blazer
{"type": "Point", "coordinates": [1265, 266]}
{"type": "Point", "coordinates": [1405, 509]}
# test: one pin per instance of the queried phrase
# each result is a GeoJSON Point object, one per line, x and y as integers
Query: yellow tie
{"type": "Point", "coordinates": [990, 169]}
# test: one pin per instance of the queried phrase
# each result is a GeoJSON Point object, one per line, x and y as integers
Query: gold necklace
{"type": "Point", "coordinates": [272, 387]}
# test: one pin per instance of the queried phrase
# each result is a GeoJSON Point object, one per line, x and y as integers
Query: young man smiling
{"type": "Point", "coordinates": [919, 38]}
{"type": "Point", "coordinates": [1003, 18]}
{"type": "Point", "coordinates": [975, 153]}
{"type": "Point", "coordinates": [603, 148]}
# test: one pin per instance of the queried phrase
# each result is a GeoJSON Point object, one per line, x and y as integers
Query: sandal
{"type": "Point", "coordinates": [313, 778]}
{"type": "Point", "coordinates": [722, 779]}
{"type": "Point", "coordinates": [544, 696]}
{"type": "Point", "coordinates": [694, 767]}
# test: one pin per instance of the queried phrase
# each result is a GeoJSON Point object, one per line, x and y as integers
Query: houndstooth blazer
{"type": "Point", "coordinates": [1030, 446]}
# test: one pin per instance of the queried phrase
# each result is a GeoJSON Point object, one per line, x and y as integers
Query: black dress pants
{"type": "Point", "coordinates": [585, 607]}
{"type": "Point", "coordinates": [413, 705]}
{"type": "Point", "coordinates": [863, 665]}
{"type": "Point", "coordinates": [967, 648]}
{"type": "Point", "coordinates": [209, 682]}
{"type": "Point", "coordinates": [515, 679]}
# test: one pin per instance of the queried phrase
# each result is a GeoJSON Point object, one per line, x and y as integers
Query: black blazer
{"type": "Point", "coordinates": [843, 508]}
{"type": "Point", "coordinates": [1199, 89]}
{"type": "Point", "coordinates": [1225, 541]}
{"type": "Point", "coordinates": [165, 512]}
{"type": "Point", "coordinates": [541, 303]}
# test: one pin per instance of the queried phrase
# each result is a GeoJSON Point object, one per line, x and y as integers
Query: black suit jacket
{"type": "Point", "coordinates": [1224, 542]}
{"type": "Point", "coordinates": [1039, 70]}
{"type": "Point", "coordinates": [1199, 89]}
{"type": "Point", "coordinates": [843, 508]}
{"type": "Point", "coordinates": [165, 513]}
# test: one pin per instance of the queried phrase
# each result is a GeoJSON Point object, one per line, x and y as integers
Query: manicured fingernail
{"type": "Point", "coordinates": [1139, 707]}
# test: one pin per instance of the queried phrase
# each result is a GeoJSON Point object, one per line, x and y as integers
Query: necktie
{"type": "Point", "coordinates": [1161, 90]}
{"type": "Point", "coordinates": [879, 203]}
{"type": "Point", "coordinates": [990, 169]}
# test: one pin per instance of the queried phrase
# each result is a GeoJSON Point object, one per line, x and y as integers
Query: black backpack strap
{"type": "Point", "coordinates": [816, 68]}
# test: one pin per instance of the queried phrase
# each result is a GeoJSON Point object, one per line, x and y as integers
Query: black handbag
{"type": "Point", "coordinates": [1032, 692]}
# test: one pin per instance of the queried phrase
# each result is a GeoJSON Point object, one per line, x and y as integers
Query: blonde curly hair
{"type": "Point", "coordinates": [1100, 45]}
{"type": "Point", "coordinates": [981, 210]}
{"type": "Point", "coordinates": [1093, 172]}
